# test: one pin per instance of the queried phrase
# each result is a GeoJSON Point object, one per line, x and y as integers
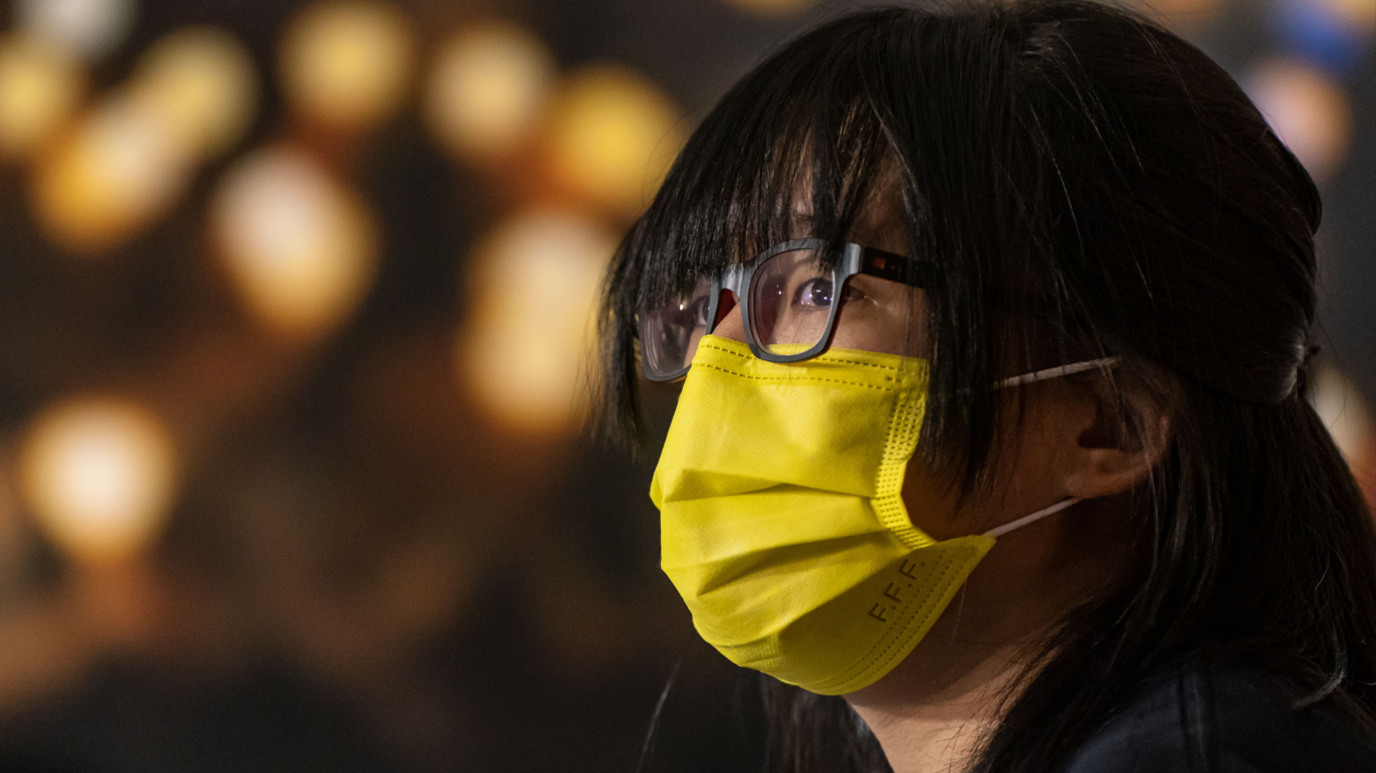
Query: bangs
{"type": "Point", "coordinates": [793, 151]}
{"type": "Point", "coordinates": [917, 105]}
{"type": "Point", "coordinates": [796, 149]}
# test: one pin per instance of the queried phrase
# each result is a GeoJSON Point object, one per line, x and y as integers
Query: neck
{"type": "Point", "coordinates": [932, 713]}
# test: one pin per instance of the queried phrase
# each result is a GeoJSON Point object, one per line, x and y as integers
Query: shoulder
{"type": "Point", "coordinates": [1208, 716]}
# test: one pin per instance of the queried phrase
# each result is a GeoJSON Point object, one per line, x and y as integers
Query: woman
{"type": "Point", "coordinates": [995, 322]}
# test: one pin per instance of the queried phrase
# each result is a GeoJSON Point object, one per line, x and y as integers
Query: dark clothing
{"type": "Point", "coordinates": [1211, 717]}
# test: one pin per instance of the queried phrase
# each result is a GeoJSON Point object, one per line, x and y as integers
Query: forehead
{"type": "Point", "coordinates": [773, 162]}
{"type": "Point", "coordinates": [879, 221]}
{"type": "Point", "coordinates": [882, 223]}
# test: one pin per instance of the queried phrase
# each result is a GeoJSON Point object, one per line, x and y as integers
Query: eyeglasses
{"type": "Point", "coordinates": [789, 303]}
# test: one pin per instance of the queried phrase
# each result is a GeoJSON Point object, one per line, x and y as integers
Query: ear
{"type": "Point", "coordinates": [1129, 435]}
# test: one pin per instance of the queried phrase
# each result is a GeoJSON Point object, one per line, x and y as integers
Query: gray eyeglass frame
{"type": "Point", "coordinates": [855, 259]}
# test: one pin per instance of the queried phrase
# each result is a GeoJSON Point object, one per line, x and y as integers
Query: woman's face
{"type": "Point", "coordinates": [1040, 459]}
{"type": "Point", "coordinates": [883, 316]}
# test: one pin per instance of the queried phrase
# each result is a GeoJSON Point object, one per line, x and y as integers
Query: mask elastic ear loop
{"type": "Point", "coordinates": [1026, 519]}
{"type": "Point", "coordinates": [1030, 378]}
{"type": "Point", "coordinates": [1057, 372]}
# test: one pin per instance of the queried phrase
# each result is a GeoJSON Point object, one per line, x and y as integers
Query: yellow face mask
{"type": "Point", "coordinates": [782, 521]}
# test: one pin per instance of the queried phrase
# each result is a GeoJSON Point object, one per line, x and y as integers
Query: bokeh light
{"type": "Point", "coordinates": [122, 167]}
{"type": "Point", "coordinates": [91, 28]}
{"type": "Point", "coordinates": [1356, 17]}
{"type": "Point", "coordinates": [487, 89]}
{"type": "Point", "coordinates": [130, 159]}
{"type": "Point", "coordinates": [1359, 15]}
{"type": "Point", "coordinates": [1306, 108]}
{"type": "Point", "coordinates": [204, 78]}
{"type": "Point", "coordinates": [612, 136]}
{"type": "Point", "coordinates": [533, 288]}
{"type": "Point", "coordinates": [300, 248]}
{"type": "Point", "coordinates": [40, 87]}
{"type": "Point", "coordinates": [99, 475]}
{"type": "Point", "coordinates": [1340, 405]}
{"type": "Point", "coordinates": [346, 64]}
{"type": "Point", "coordinates": [13, 544]}
{"type": "Point", "coordinates": [1331, 33]}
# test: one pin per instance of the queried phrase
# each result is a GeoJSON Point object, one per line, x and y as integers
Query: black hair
{"type": "Point", "coordinates": [1079, 179]}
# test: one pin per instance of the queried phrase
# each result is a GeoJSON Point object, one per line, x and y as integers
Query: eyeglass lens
{"type": "Point", "coordinates": [790, 304]}
{"type": "Point", "coordinates": [669, 335]}
{"type": "Point", "coordinates": [794, 303]}
{"type": "Point", "coordinates": [791, 297]}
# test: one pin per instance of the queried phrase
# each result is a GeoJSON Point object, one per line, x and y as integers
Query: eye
{"type": "Point", "coordinates": [814, 292]}
{"type": "Point", "coordinates": [695, 311]}
{"type": "Point", "coordinates": [817, 293]}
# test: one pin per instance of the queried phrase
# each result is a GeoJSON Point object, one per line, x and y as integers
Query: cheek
{"type": "Point", "coordinates": [730, 324]}
{"type": "Point", "coordinates": [1024, 479]}
{"type": "Point", "coordinates": [1033, 455]}
{"type": "Point", "coordinates": [931, 501]}
{"type": "Point", "coordinates": [890, 318]}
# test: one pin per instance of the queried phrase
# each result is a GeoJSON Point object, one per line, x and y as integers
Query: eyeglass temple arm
{"type": "Point", "coordinates": [891, 266]}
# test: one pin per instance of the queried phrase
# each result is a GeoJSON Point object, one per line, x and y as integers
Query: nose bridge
{"type": "Point", "coordinates": [728, 298]}
{"type": "Point", "coordinates": [724, 322]}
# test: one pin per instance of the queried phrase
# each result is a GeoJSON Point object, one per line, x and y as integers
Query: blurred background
{"type": "Point", "coordinates": [294, 301]}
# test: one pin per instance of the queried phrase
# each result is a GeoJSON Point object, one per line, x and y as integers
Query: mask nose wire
{"type": "Point", "coordinates": [1026, 519]}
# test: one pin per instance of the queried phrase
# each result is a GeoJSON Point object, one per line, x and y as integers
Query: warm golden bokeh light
{"type": "Point", "coordinates": [299, 247]}
{"type": "Point", "coordinates": [772, 7]}
{"type": "Point", "coordinates": [99, 474]}
{"type": "Point", "coordinates": [128, 161]}
{"type": "Point", "coordinates": [205, 80]}
{"type": "Point", "coordinates": [92, 28]}
{"type": "Point", "coordinates": [1357, 14]}
{"type": "Point", "coordinates": [533, 286]}
{"type": "Point", "coordinates": [123, 166]}
{"type": "Point", "coordinates": [487, 89]}
{"type": "Point", "coordinates": [612, 136]}
{"type": "Point", "coordinates": [13, 543]}
{"type": "Point", "coordinates": [346, 64]}
{"type": "Point", "coordinates": [1306, 108]}
{"type": "Point", "coordinates": [40, 86]}
{"type": "Point", "coordinates": [1340, 405]}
